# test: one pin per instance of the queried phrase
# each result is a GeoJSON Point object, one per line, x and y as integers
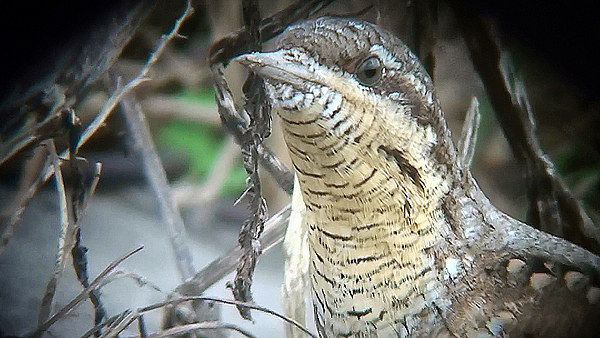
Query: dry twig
{"type": "Point", "coordinates": [177, 331]}
{"type": "Point", "coordinates": [122, 91]}
{"type": "Point", "coordinates": [468, 136]}
{"type": "Point", "coordinates": [157, 178]}
{"type": "Point", "coordinates": [224, 265]}
{"type": "Point", "coordinates": [37, 114]}
{"type": "Point", "coordinates": [230, 302]}
{"type": "Point", "coordinates": [82, 295]}
{"type": "Point", "coordinates": [237, 43]}
{"type": "Point", "coordinates": [65, 239]}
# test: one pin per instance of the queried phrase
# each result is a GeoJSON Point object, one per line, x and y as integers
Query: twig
{"type": "Point", "coordinates": [224, 265]}
{"type": "Point", "coordinates": [226, 301]}
{"type": "Point", "coordinates": [121, 92]}
{"type": "Point", "coordinates": [237, 123]}
{"type": "Point", "coordinates": [64, 239]}
{"type": "Point", "coordinates": [188, 328]}
{"type": "Point", "coordinates": [125, 319]}
{"type": "Point", "coordinates": [82, 295]}
{"type": "Point", "coordinates": [237, 43]}
{"type": "Point", "coordinates": [107, 323]}
{"type": "Point", "coordinates": [468, 136]}
{"type": "Point", "coordinates": [274, 166]}
{"type": "Point", "coordinates": [258, 110]}
{"type": "Point", "coordinates": [79, 252]}
{"type": "Point", "coordinates": [157, 178]}
{"type": "Point", "coordinates": [93, 185]}
{"type": "Point", "coordinates": [49, 128]}
{"type": "Point", "coordinates": [141, 281]}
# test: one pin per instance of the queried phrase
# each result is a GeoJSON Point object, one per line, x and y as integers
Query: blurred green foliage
{"type": "Point", "coordinates": [201, 144]}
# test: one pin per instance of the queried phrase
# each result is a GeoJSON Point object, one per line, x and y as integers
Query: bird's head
{"type": "Point", "coordinates": [357, 59]}
{"type": "Point", "coordinates": [323, 66]}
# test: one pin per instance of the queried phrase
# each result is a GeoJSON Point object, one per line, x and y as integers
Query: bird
{"type": "Point", "coordinates": [402, 241]}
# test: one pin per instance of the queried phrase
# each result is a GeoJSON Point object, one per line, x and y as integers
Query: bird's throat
{"type": "Point", "coordinates": [373, 194]}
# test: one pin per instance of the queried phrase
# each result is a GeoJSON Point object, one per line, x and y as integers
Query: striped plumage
{"type": "Point", "coordinates": [403, 242]}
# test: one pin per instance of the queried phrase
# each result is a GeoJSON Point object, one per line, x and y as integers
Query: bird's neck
{"type": "Point", "coordinates": [358, 161]}
{"type": "Point", "coordinates": [374, 182]}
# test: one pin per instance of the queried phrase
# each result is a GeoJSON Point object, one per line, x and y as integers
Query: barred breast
{"type": "Point", "coordinates": [373, 219]}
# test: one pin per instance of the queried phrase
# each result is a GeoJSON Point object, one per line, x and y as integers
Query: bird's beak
{"type": "Point", "coordinates": [278, 66]}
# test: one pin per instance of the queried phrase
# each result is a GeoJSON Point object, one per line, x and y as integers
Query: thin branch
{"type": "Point", "coordinates": [189, 328]}
{"type": "Point", "coordinates": [274, 166]}
{"type": "Point", "coordinates": [79, 252]}
{"type": "Point", "coordinates": [93, 185]}
{"type": "Point", "coordinates": [141, 281]}
{"type": "Point", "coordinates": [64, 239]}
{"type": "Point", "coordinates": [468, 136]}
{"type": "Point", "coordinates": [121, 92]}
{"type": "Point", "coordinates": [82, 295]}
{"type": "Point", "coordinates": [230, 302]}
{"type": "Point", "coordinates": [156, 176]}
{"type": "Point", "coordinates": [237, 43]}
{"type": "Point", "coordinates": [258, 111]}
{"type": "Point", "coordinates": [123, 322]}
{"type": "Point", "coordinates": [224, 265]}
{"type": "Point", "coordinates": [51, 127]}
{"type": "Point", "coordinates": [108, 323]}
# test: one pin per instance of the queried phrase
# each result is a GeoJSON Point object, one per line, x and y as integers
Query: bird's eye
{"type": "Point", "coordinates": [368, 71]}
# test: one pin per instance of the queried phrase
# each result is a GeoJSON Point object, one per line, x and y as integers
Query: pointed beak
{"type": "Point", "coordinates": [278, 66]}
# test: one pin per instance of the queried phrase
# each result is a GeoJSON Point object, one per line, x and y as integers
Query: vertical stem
{"type": "Point", "coordinates": [157, 178]}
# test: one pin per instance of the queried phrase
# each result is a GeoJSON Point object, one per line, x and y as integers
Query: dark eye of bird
{"type": "Point", "coordinates": [368, 71]}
